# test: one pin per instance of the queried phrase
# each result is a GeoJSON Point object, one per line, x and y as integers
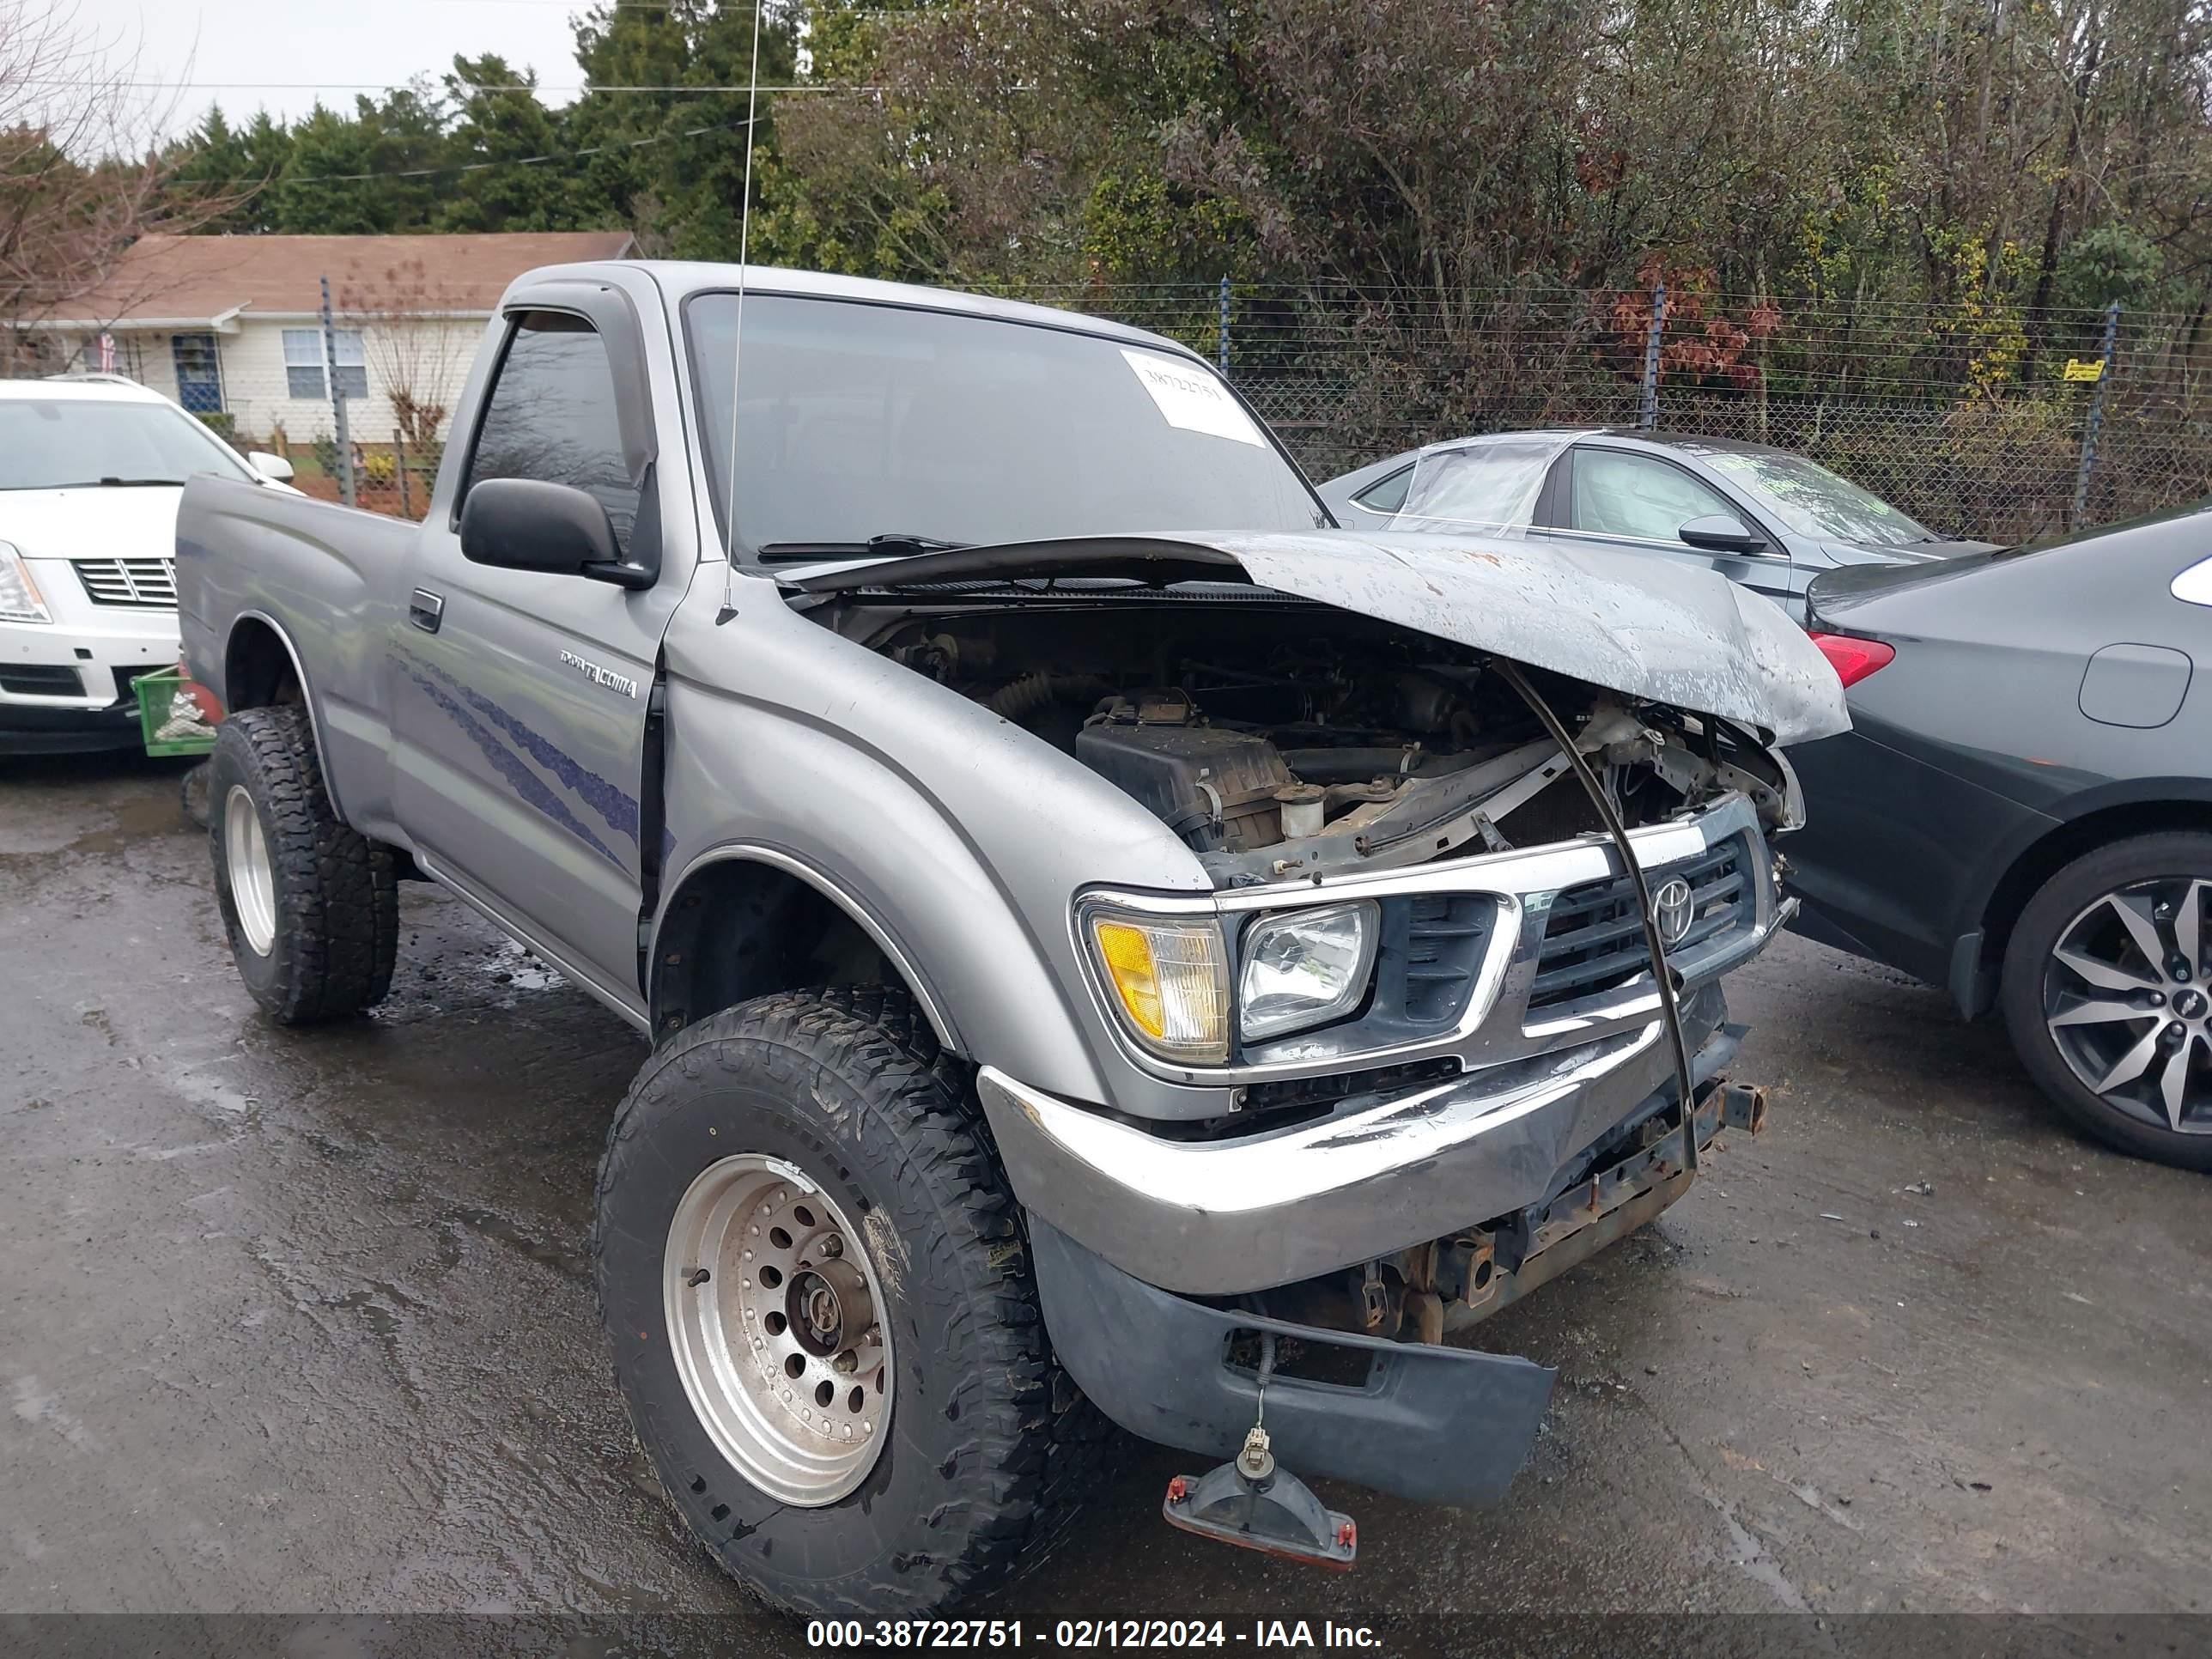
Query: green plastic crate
{"type": "Point", "coordinates": [157, 697]}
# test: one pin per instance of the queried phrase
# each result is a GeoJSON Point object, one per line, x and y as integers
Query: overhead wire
{"type": "Point", "coordinates": [477, 167]}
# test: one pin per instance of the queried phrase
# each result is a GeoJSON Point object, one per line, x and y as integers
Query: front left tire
{"type": "Point", "coordinates": [816, 1284]}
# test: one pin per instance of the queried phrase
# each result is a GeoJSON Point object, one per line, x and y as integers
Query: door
{"type": "Point", "coordinates": [198, 363]}
{"type": "Point", "coordinates": [1639, 501]}
{"type": "Point", "coordinates": [521, 698]}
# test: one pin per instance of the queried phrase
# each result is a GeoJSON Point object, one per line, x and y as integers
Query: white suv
{"type": "Point", "coordinates": [91, 469]}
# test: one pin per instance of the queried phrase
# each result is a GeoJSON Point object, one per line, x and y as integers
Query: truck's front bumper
{"type": "Point", "coordinates": [1423, 1421]}
{"type": "Point", "coordinates": [1219, 1217]}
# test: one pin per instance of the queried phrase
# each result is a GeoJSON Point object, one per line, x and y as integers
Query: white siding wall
{"type": "Point", "coordinates": [258, 393]}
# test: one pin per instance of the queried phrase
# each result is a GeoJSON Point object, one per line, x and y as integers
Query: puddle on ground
{"type": "Point", "coordinates": [568, 1264]}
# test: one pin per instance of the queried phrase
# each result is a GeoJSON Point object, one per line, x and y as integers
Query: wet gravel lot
{"type": "Point", "coordinates": [296, 1322]}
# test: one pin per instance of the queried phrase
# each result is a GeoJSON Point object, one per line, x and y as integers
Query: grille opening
{"type": "Point", "coordinates": [1594, 936]}
{"type": "Point", "coordinates": [1443, 935]}
{"type": "Point", "coordinates": [27, 679]}
{"type": "Point", "coordinates": [148, 583]}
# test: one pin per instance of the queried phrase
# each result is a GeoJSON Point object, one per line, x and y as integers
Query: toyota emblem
{"type": "Point", "coordinates": [1677, 909]}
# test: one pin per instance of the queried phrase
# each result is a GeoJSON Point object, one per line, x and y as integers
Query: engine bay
{"type": "Point", "coordinates": [1282, 740]}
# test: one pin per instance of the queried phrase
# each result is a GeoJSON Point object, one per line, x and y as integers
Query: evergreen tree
{"type": "Point", "coordinates": [503, 131]}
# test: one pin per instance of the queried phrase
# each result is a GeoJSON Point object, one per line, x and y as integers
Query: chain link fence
{"type": "Point", "coordinates": [1975, 418]}
{"type": "Point", "coordinates": [1981, 420]}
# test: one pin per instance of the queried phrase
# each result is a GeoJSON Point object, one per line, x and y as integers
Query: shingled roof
{"type": "Point", "coordinates": [207, 280]}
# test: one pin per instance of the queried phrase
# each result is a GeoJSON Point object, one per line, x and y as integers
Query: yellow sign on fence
{"type": "Point", "coordinates": [2078, 370]}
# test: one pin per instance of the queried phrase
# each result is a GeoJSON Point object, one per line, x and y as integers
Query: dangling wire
{"type": "Point", "coordinates": [1663, 977]}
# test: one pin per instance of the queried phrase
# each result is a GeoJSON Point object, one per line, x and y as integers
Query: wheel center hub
{"type": "Point", "coordinates": [828, 1306]}
{"type": "Point", "coordinates": [2190, 1004]}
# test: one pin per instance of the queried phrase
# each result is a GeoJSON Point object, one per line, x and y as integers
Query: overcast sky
{"type": "Point", "coordinates": [294, 51]}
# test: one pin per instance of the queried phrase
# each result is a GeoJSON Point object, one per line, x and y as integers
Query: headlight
{"type": "Point", "coordinates": [19, 594]}
{"type": "Point", "coordinates": [1170, 977]}
{"type": "Point", "coordinates": [1305, 968]}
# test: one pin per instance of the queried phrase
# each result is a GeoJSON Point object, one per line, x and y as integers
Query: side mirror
{"type": "Point", "coordinates": [269, 466]}
{"type": "Point", "coordinates": [526, 524]}
{"type": "Point", "coordinates": [1717, 532]}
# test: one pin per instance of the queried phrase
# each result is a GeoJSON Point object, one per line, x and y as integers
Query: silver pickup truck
{"type": "Point", "coordinates": [1112, 944]}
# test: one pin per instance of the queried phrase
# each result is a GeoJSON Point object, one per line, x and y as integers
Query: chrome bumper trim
{"type": "Point", "coordinates": [1221, 1218]}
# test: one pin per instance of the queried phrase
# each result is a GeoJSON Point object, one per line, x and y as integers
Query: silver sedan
{"type": "Point", "coordinates": [1760, 516]}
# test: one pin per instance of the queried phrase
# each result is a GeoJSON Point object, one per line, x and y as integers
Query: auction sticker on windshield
{"type": "Point", "coordinates": [1191, 399]}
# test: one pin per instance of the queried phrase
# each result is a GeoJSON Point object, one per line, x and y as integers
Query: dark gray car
{"type": "Point", "coordinates": [2022, 810]}
{"type": "Point", "coordinates": [1760, 516]}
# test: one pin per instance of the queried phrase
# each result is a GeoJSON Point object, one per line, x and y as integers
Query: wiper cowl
{"type": "Point", "coordinates": [895, 543]}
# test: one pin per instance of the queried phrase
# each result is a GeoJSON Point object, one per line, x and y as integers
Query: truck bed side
{"type": "Point", "coordinates": [260, 572]}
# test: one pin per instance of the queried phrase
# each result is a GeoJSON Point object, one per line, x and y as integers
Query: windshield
{"type": "Point", "coordinates": [1489, 486]}
{"type": "Point", "coordinates": [54, 443]}
{"type": "Point", "coordinates": [863, 420]}
{"type": "Point", "coordinates": [1814, 502]}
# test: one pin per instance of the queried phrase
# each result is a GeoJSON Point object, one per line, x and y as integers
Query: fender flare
{"type": "Point", "coordinates": [901, 958]}
{"type": "Point", "coordinates": [307, 691]}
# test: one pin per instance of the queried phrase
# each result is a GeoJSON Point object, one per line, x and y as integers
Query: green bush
{"type": "Point", "coordinates": [221, 423]}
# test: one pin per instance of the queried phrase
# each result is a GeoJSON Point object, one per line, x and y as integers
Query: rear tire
{"type": "Point", "coordinates": [2110, 1020]}
{"type": "Point", "coordinates": [312, 908]}
{"type": "Point", "coordinates": [982, 1444]}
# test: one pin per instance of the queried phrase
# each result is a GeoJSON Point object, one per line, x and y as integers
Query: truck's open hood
{"type": "Point", "coordinates": [1634, 623]}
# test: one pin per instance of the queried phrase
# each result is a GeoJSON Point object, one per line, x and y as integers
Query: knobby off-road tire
{"type": "Point", "coordinates": [982, 1444]}
{"type": "Point", "coordinates": [2074, 910]}
{"type": "Point", "coordinates": [312, 908]}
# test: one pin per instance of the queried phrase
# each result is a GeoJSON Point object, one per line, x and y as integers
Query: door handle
{"type": "Point", "coordinates": [426, 610]}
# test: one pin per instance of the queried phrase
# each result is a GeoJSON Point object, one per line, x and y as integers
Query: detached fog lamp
{"type": "Point", "coordinates": [1169, 977]}
{"type": "Point", "coordinates": [1306, 969]}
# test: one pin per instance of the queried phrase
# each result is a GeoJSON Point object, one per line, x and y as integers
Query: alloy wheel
{"type": "Point", "coordinates": [774, 1315]}
{"type": "Point", "coordinates": [2127, 998]}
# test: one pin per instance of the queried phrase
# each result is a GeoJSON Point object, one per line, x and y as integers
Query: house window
{"type": "Point", "coordinates": [303, 363]}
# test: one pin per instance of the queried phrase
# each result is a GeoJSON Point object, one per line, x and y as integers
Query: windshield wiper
{"type": "Point", "coordinates": [897, 543]}
{"type": "Point", "coordinates": [102, 483]}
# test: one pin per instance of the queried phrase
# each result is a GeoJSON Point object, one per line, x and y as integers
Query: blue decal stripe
{"type": "Point", "coordinates": [509, 765]}
{"type": "Point", "coordinates": [607, 799]}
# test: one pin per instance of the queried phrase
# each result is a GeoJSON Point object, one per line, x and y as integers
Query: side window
{"type": "Point", "coordinates": [1618, 493]}
{"type": "Point", "coordinates": [550, 416]}
{"type": "Point", "coordinates": [1387, 494]}
{"type": "Point", "coordinates": [1492, 485]}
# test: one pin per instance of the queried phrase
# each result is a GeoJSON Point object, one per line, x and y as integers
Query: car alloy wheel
{"type": "Point", "coordinates": [2127, 998]}
{"type": "Point", "coordinates": [773, 1313]}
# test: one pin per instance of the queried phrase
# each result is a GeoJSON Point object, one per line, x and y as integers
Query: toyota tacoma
{"type": "Point", "coordinates": [1114, 946]}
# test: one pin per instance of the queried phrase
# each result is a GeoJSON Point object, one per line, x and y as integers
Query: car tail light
{"type": "Point", "coordinates": [1853, 660]}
